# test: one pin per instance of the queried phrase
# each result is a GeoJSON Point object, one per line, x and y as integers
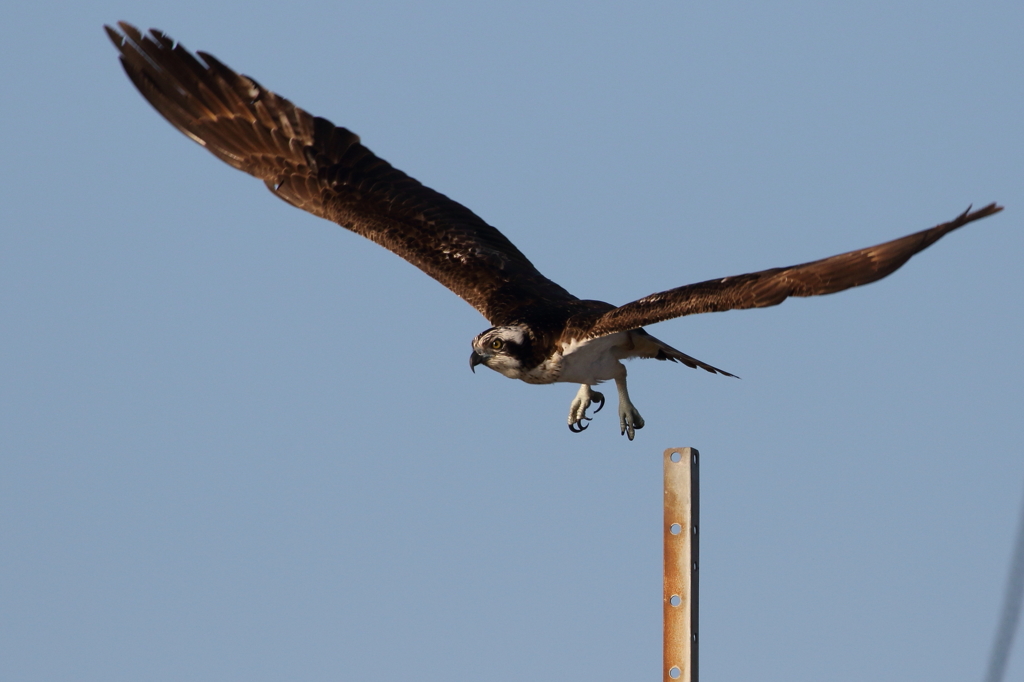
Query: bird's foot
{"type": "Point", "coordinates": [629, 420]}
{"type": "Point", "coordinates": [578, 410]}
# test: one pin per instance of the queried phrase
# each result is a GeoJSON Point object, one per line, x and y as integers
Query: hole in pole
{"type": "Point", "coordinates": [675, 457]}
{"type": "Point", "coordinates": [674, 600]}
{"type": "Point", "coordinates": [675, 529]}
{"type": "Point", "coordinates": [674, 672]}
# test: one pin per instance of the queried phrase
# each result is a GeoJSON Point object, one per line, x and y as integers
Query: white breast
{"type": "Point", "coordinates": [589, 361]}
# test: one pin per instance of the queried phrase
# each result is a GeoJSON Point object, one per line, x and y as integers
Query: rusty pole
{"type": "Point", "coordinates": [682, 519]}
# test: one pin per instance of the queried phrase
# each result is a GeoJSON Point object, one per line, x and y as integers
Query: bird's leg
{"type": "Point", "coordinates": [578, 410]}
{"type": "Point", "coordinates": [629, 418]}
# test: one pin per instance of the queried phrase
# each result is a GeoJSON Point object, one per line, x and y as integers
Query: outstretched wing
{"type": "Point", "coordinates": [772, 287]}
{"type": "Point", "coordinates": [318, 167]}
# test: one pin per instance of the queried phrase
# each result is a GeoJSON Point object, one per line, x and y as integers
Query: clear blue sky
{"type": "Point", "coordinates": [240, 443]}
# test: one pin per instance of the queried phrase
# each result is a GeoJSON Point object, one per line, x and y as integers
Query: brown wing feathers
{"type": "Point", "coordinates": [771, 287]}
{"type": "Point", "coordinates": [321, 168]}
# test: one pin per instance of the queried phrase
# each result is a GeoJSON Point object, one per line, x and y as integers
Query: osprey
{"type": "Point", "coordinates": [541, 333]}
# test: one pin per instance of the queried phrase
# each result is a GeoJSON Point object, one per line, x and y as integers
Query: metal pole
{"type": "Point", "coordinates": [682, 519]}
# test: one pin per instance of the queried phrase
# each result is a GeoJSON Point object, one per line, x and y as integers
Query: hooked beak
{"type": "Point", "coordinates": [474, 360]}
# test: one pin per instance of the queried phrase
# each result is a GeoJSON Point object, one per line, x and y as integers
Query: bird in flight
{"type": "Point", "coordinates": [540, 333]}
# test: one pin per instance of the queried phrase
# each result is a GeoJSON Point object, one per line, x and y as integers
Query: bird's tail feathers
{"type": "Point", "coordinates": [647, 346]}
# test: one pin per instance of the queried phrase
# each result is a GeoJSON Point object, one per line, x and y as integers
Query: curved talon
{"type": "Point", "coordinates": [629, 423]}
{"type": "Point", "coordinates": [578, 410]}
{"type": "Point", "coordinates": [579, 427]}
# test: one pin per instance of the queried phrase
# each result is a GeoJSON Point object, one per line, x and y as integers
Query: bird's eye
{"type": "Point", "coordinates": [496, 344]}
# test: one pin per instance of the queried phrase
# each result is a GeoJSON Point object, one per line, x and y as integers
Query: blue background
{"type": "Point", "coordinates": [241, 443]}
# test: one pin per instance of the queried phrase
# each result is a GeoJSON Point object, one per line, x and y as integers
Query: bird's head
{"type": "Point", "coordinates": [503, 349]}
